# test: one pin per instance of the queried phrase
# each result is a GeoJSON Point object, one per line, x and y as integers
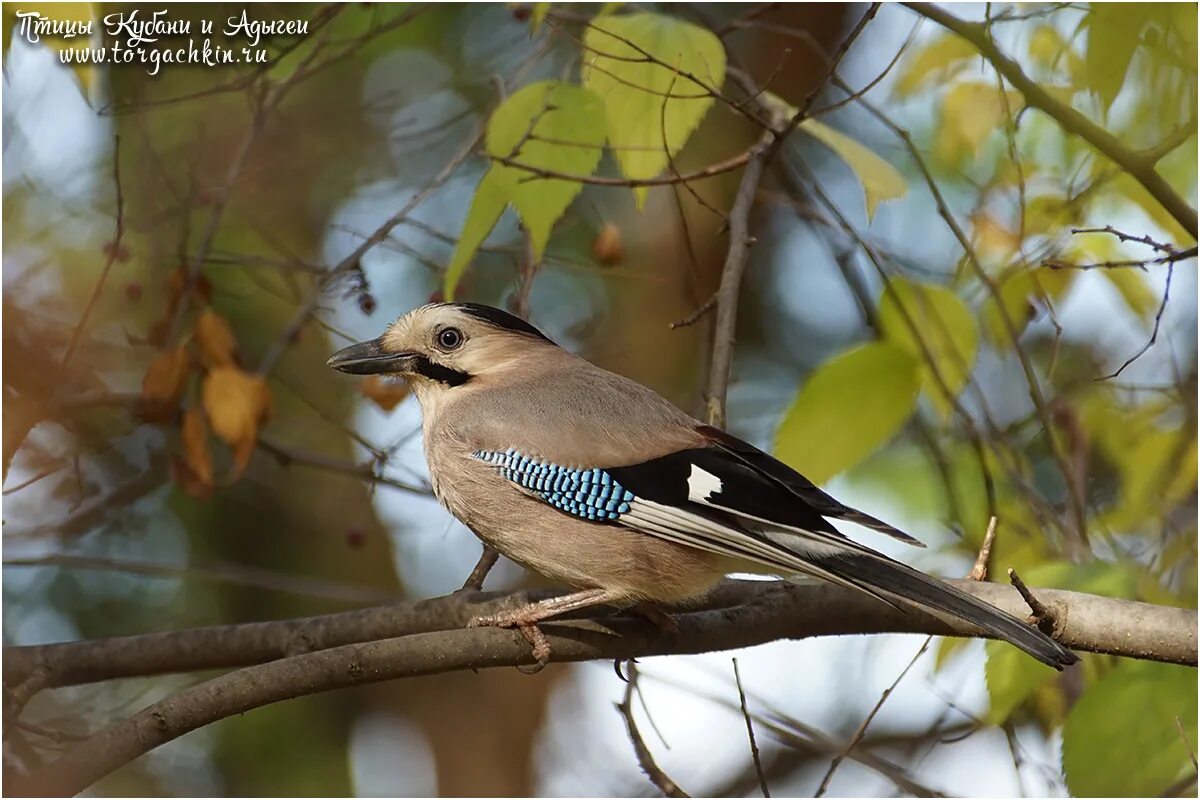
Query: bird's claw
{"type": "Point", "coordinates": [529, 630]}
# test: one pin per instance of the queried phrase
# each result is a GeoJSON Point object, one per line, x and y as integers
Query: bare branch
{"type": "Point", "coordinates": [1140, 166]}
{"type": "Point", "coordinates": [758, 768]}
{"type": "Point", "coordinates": [645, 758]}
{"type": "Point", "coordinates": [746, 613]}
{"type": "Point", "coordinates": [731, 278]}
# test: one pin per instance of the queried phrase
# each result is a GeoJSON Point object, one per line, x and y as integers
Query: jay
{"type": "Point", "coordinates": [599, 483]}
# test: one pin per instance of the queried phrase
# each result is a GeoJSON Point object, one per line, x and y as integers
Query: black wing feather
{"type": "Point", "coordinates": [798, 486]}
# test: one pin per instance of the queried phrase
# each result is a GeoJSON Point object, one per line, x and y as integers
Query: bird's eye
{"type": "Point", "coordinates": [449, 338]}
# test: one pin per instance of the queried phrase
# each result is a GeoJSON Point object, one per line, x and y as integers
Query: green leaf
{"type": "Point", "coordinates": [850, 406]}
{"type": "Point", "coordinates": [550, 126]}
{"type": "Point", "coordinates": [1121, 738]}
{"type": "Point", "coordinates": [540, 10]}
{"type": "Point", "coordinates": [944, 325]}
{"type": "Point", "coordinates": [934, 60]}
{"type": "Point", "coordinates": [652, 107]}
{"type": "Point", "coordinates": [880, 180]}
{"type": "Point", "coordinates": [1114, 33]}
{"type": "Point", "coordinates": [1018, 295]}
{"type": "Point", "coordinates": [1012, 678]}
{"type": "Point", "coordinates": [487, 204]}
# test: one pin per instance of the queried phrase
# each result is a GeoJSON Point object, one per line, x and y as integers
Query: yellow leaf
{"type": "Point", "coordinates": [386, 394]}
{"type": "Point", "coordinates": [1049, 50]}
{"type": "Point", "coordinates": [194, 435]}
{"type": "Point", "coordinates": [215, 338]}
{"type": "Point", "coordinates": [163, 384]}
{"type": "Point", "coordinates": [236, 403]}
{"type": "Point", "coordinates": [1021, 295]}
{"type": "Point", "coordinates": [880, 180]}
{"type": "Point", "coordinates": [970, 112]}
{"type": "Point", "coordinates": [944, 328]}
{"type": "Point", "coordinates": [646, 66]}
{"type": "Point", "coordinates": [934, 60]}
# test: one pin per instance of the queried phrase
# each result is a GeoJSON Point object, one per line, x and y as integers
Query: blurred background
{"type": "Point", "coordinates": [166, 236]}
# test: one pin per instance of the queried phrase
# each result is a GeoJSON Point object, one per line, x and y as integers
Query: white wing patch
{"type": "Point", "coordinates": [702, 485]}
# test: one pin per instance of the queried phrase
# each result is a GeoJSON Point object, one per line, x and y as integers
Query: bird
{"type": "Point", "coordinates": [597, 482]}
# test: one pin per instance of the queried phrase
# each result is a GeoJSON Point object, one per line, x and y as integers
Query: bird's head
{"type": "Point", "coordinates": [444, 345]}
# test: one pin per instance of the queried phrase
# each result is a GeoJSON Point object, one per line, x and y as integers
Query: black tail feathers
{"type": "Point", "coordinates": [876, 573]}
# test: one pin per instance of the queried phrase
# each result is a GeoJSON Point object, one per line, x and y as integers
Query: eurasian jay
{"type": "Point", "coordinates": [599, 483]}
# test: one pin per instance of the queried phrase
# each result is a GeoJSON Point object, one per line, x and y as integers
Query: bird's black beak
{"type": "Point", "coordinates": [369, 358]}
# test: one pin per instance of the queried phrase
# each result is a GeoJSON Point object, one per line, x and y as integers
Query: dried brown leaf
{"type": "Point", "coordinates": [386, 394]}
{"type": "Point", "coordinates": [163, 384]}
{"type": "Point", "coordinates": [194, 434]}
{"type": "Point", "coordinates": [216, 340]}
{"type": "Point", "coordinates": [237, 404]}
{"type": "Point", "coordinates": [187, 480]}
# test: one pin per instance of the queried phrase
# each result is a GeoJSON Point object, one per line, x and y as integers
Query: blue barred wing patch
{"type": "Point", "coordinates": [591, 494]}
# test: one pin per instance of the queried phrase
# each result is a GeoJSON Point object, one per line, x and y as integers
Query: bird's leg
{"type": "Point", "coordinates": [483, 566]}
{"type": "Point", "coordinates": [661, 619]}
{"type": "Point", "coordinates": [526, 618]}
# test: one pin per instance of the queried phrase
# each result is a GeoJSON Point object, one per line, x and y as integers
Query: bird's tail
{"type": "Point", "coordinates": [880, 575]}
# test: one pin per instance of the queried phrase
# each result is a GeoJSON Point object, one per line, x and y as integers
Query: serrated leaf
{"type": "Point", "coordinates": [932, 61]}
{"type": "Point", "coordinates": [1121, 738]}
{"type": "Point", "coordinates": [849, 407]}
{"type": "Point", "coordinates": [880, 180]}
{"type": "Point", "coordinates": [650, 104]}
{"type": "Point", "coordinates": [551, 126]}
{"type": "Point", "coordinates": [946, 329]}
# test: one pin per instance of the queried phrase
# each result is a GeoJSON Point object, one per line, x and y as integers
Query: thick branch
{"type": "Point", "coordinates": [1138, 165]}
{"type": "Point", "coordinates": [754, 612]}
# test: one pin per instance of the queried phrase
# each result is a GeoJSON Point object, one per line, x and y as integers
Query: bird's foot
{"type": "Point", "coordinates": [523, 619]}
{"type": "Point", "coordinates": [661, 619]}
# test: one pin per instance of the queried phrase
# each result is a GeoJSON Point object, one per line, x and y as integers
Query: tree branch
{"type": "Point", "coordinates": [731, 277]}
{"type": "Point", "coordinates": [1139, 165]}
{"type": "Point", "coordinates": [426, 637]}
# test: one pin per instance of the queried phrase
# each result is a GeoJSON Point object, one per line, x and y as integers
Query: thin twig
{"type": "Point", "coordinates": [731, 279]}
{"type": "Point", "coordinates": [114, 249]}
{"type": "Point", "coordinates": [1040, 611]}
{"type": "Point", "coordinates": [353, 260]}
{"type": "Point", "coordinates": [1139, 166]}
{"type": "Point", "coordinates": [758, 768]}
{"type": "Point", "coordinates": [645, 758]}
{"type": "Point", "coordinates": [862, 729]}
{"type": "Point", "coordinates": [1162, 308]}
{"type": "Point", "coordinates": [1187, 742]}
{"type": "Point", "coordinates": [979, 572]}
